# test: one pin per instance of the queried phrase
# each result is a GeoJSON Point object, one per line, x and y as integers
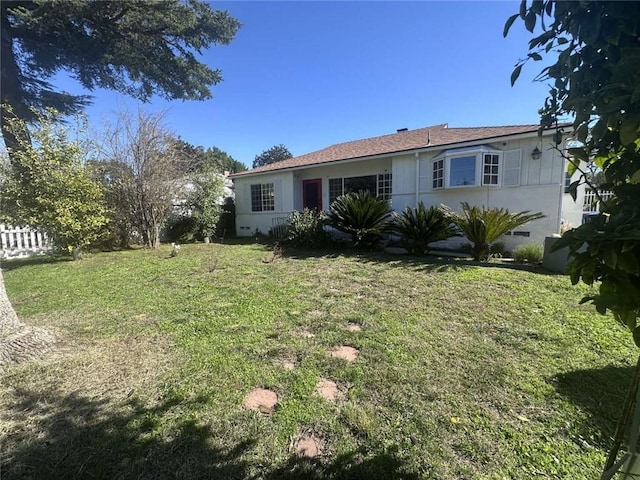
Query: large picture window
{"type": "Point", "coordinates": [462, 171]}
{"type": "Point", "coordinates": [262, 197]}
{"type": "Point", "coordinates": [379, 185]}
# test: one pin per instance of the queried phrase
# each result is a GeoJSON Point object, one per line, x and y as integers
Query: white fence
{"type": "Point", "coordinates": [22, 241]}
{"type": "Point", "coordinates": [590, 204]}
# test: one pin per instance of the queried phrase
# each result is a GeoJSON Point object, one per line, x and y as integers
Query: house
{"type": "Point", "coordinates": [508, 166]}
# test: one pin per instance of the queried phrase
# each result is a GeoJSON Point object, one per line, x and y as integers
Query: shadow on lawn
{"type": "Point", "coordinates": [601, 393]}
{"type": "Point", "coordinates": [15, 263]}
{"type": "Point", "coordinates": [76, 437]}
{"type": "Point", "coordinates": [383, 466]}
{"type": "Point", "coordinates": [429, 263]}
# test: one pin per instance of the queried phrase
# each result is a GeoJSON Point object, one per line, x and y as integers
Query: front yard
{"type": "Point", "coordinates": [463, 371]}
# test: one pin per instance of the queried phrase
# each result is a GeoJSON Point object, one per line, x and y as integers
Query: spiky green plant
{"type": "Point", "coordinates": [482, 226]}
{"type": "Point", "coordinates": [421, 226]}
{"type": "Point", "coordinates": [361, 215]}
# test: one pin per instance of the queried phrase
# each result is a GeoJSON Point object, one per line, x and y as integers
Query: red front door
{"type": "Point", "coordinates": [312, 194]}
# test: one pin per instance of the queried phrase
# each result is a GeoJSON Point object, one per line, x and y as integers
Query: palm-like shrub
{"type": "Point", "coordinates": [421, 226]}
{"type": "Point", "coordinates": [361, 215]}
{"type": "Point", "coordinates": [482, 226]}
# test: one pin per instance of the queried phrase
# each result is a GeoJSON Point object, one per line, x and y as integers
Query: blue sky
{"type": "Point", "coordinates": [311, 74]}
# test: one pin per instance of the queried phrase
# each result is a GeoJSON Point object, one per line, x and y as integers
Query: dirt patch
{"type": "Point", "coordinates": [316, 314]}
{"type": "Point", "coordinates": [353, 327]}
{"type": "Point", "coordinates": [303, 332]}
{"type": "Point", "coordinates": [286, 363]}
{"type": "Point", "coordinates": [345, 352]}
{"type": "Point", "coordinates": [261, 399]}
{"type": "Point", "coordinates": [327, 389]}
{"type": "Point", "coordinates": [308, 444]}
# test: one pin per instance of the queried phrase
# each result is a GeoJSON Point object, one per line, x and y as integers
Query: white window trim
{"type": "Point", "coordinates": [499, 174]}
{"type": "Point", "coordinates": [265, 198]}
{"type": "Point", "coordinates": [433, 173]}
{"type": "Point", "coordinates": [479, 152]}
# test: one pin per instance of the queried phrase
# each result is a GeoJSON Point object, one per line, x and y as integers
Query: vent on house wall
{"type": "Point", "coordinates": [521, 234]}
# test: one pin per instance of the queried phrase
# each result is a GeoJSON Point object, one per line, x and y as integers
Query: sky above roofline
{"type": "Point", "coordinates": [312, 74]}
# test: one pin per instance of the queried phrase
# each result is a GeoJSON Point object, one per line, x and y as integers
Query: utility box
{"type": "Point", "coordinates": [555, 261]}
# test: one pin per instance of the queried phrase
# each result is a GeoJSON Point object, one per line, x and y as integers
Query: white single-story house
{"type": "Point", "coordinates": [506, 166]}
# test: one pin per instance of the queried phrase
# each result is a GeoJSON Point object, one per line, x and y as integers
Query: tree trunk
{"type": "Point", "coordinates": [19, 342]}
{"type": "Point", "coordinates": [14, 130]}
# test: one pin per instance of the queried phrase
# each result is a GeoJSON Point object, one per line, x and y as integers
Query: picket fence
{"type": "Point", "coordinates": [23, 241]}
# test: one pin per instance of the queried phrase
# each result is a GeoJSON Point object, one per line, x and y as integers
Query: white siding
{"type": "Point", "coordinates": [247, 222]}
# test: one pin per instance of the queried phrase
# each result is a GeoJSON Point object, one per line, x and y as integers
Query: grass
{"type": "Point", "coordinates": [465, 371]}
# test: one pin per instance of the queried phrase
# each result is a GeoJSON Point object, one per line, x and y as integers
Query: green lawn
{"type": "Point", "coordinates": [464, 371]}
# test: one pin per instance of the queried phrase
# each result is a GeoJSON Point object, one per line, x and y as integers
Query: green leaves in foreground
{"type": "Point", "coordinates": [606, 250]}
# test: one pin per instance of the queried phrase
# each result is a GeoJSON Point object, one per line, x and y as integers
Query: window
{"type": "Point", "coordinates": [335, 189]}
{"type": "Point", "coordinates": [262, 197]}
{"type": "Point", "coordinates": [567, 181]}
{"type": "Point", "coordinates": [462, 171]}
{"type": "Point", "coordinates": [361, 184]}
{"type": "Point", "coordinates": [490, 165]}
{"type": "Point", "coordinates": [384, 186]}
{"type": "Point", "coordinates": [379, 185]}
{"type": "Point", "coordinates": [480, 165]}
{"type": "Point", "coordinates": [438, 173]}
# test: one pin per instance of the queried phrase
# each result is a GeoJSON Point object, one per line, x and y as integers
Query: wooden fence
{"type": "Point", "coordinates": [22, 241]}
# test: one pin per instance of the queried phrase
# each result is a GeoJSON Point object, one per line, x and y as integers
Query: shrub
{"type": "Point", "coordinates": [182, 229]}
{"type": "Point", "coordinates": [421, 226]}
{"type": "Point", "coordinates": [482, 226]}
{"type": "Point", "coordinates": [362, 216]}
{"type": "Point", "coordinates": [227, 224]}
{"type": "Point", "coordinates": [306, 229]}
{"type": "Point", "coordinates": [498, 249]}
{"type": "Point", "coordinates": [529, 253]}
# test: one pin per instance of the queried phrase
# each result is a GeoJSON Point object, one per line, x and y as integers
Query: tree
{"type": "Point", "coordinates": [141, 48]}
{"type": "Point", "coordinates": [222, 161]}
{"type": "Point", "coordinates": [206, 201]}
{"type": "Point", "coordinates": [596, 80]}
{"type": "Point", "coordinates": [150, 178]}
{"type": "Point", "coordinates": [197, 159]}
{"type": "Point", "coordinates": [274, 154]}
{"type": "Point", "coordinates": [114, 177]}
{"type": "Point", "coordinates": [48, 185]}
